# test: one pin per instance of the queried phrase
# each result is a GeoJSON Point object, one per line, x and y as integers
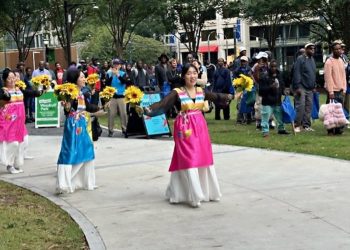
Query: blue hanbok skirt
{"type": "Point", "coordinates": [77, 146]}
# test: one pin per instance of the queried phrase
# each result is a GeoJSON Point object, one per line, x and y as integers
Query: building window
{"type": "Point", "coordinates": [291, 31]}
{"type": "Point", "coordinates": [211, 15]}
{"type": "Point", "coordinates": [304, 30]}
{"type": "Point", "coordinates": [228, 33]}
{"type": "Point", "coordinates": [256, 31]}
{"type": "Point", "coordinates": [205, 34]}
{"type": "Point", "coordinates": [183, 37]}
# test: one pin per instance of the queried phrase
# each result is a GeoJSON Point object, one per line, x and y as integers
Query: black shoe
{"type": "Point", "coordinates": [283, 132]}
{"type": "Point", "coordinates": [110, 133]}
{"type": "Point", "coordinates": [28, 120]}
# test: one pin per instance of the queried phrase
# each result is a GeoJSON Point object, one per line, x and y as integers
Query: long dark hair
{"type": "Point", "coordinates": [73, 75]}
{"type": "Point", "coordinates": [184, 71]}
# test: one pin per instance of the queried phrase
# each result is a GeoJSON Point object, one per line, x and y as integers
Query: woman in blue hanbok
{"type": "Point", "coordinates": [76, 167]}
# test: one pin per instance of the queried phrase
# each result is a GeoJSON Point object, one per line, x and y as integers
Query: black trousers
{"type": "Point", "coordinates": [226, 111]}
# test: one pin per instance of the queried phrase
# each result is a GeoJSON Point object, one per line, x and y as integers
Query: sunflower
{"type": "Point", "coordinates": [107, 93]}
{"type": "Point", "coordinates": [243, 82]}
{"type": "Point", "coordinates": [20, 84]}
{"type": "Point", "coordinates": [92, 79]}
{"type": "Point", "coordinates": [67, 91]}
{"type": "Point", "coordinates": [133, 95]}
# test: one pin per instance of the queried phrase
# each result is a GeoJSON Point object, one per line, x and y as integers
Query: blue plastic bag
{"type": "Point", "coordinates": [315, 105]}
{"type": "Point", "coordinates": [243, 107]}
{"type": "Point", "coordinates": [166, 89]}
{"type": "Point", "coordinates": [288, 112]}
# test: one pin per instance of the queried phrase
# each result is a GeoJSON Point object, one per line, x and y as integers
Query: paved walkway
{"type": "Point", "coordinates": [271, 200]}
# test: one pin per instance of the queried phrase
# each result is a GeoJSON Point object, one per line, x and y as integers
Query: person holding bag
{"type": "Point", "coordinates": [335, 81]}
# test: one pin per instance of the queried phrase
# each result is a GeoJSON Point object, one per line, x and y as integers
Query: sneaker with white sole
{"type": "Point", "coordinates": [12, 170]}
{"type": "Point", "coordinates": [297, 129]}
{"type": "Point", "coordinates": [309, 129]}
{"type": "Point", "coordinates": [19, 170]}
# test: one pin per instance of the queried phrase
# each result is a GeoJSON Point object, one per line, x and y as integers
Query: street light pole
{"type": "Point", "coordinates": [67, 23]}
{"type": "Point", "coordinates": [209, 44]}
{"type": "Point", "coordinates": [234, 42]}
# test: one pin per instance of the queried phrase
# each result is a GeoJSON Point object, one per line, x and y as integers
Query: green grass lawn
{"type": "Point", "coordinates": [316, 143]}
{"type": "Point", "coordinates": [29, 221]}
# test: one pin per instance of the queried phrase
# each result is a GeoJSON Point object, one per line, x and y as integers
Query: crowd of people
{"type": "Point", "coordinates": [188, 91]}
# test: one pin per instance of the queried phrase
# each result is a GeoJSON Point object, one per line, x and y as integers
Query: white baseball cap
{"type": "Point", "coordinates": [262, 55]}
{"type": "Point", "coordinates": [244, 58]}
{"type": "Point", "coordinates": [242, 48]}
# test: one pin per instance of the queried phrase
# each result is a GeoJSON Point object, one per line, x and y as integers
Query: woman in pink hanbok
{"type": "Point", "coordinates": [13, 132]}
{"type": "Point", "coordinates": [193, 177]}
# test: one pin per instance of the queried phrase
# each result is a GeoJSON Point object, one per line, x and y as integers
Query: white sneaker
{"type": "Point", "coordinates": [12, 170]}
{"type": "Point", "coordinates": [19, 170]}
{"type": "Point", "coordinates": [28, 157]}
{"type": "Point", "coordinates": [297, 130]}
{"type": "Point", "coordinates": [309, 129]}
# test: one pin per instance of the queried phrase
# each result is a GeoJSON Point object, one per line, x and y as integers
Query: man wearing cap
{"type": "Point", "coordinates": [237, 61]}
{"type": "Point", "coordinates": [335, 80]}
{"type": "Point", "coordinates": [304, 83]}
{"type": "Point", "coordinates": [117, 79]}
{"type": "Point", "coordinates": [259, 69]}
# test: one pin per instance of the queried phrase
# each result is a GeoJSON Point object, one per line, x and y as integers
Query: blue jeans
{"type": "Point", "coordinates": [266, 112]}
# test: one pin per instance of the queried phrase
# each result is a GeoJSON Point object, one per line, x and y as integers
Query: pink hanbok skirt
{"type": "Point", "coordinates": [192, 142]}
{"type": "Point", "coordinates": [12, 122]}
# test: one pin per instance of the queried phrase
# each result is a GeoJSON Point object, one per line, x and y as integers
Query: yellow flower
{"type": "Point", "coordinates": [92, 79]}
{"type": "Point", "coordinates": [243, 82]}
{"type": "Point", "coordinates": [67, 91]}
{"type": "Point", "coordinates": [20, 84]}
{"type": "Point", "coordinates": [107, 93]}
{"type": "Point", "coordinates": [133, 95]}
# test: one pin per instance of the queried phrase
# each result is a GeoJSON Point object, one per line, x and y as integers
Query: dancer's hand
{"type": "Point", "coordinates": [139, 110]}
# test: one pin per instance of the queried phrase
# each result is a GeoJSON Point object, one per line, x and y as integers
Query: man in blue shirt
{"type": "Point", "coordinates": [116, 78]}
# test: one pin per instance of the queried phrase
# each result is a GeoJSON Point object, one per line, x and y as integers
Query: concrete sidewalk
{"type": "Point", "coordinates": [271, 200]}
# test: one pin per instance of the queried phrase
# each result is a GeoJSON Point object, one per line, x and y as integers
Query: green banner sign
{"type": "Point", "coordinates": [47, 113]}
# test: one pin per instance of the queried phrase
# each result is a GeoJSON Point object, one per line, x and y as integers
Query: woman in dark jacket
{"type": "Point", "coordinates": [271, 88]}
{"type": "Point", "coordinates": [76, 167]}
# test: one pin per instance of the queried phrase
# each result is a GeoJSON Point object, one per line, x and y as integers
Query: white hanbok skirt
{"type": "Point", "coordinates": [73, 177]}
{"type": "Point", "coordinates": [12, 153]}
{"type": "Point", "coordinates": [193, 186]}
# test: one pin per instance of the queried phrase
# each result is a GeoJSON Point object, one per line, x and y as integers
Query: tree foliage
{"type": "Point", "coordinates": [22, 19]}
{"type": "Point", "coordinates": [270, 15]}
{"type": "Point", "coordinates": [121, 17]}
{"type": "Point", "coordinates": [99, 45]}
{"type": "Point", "coordinates": [191, 16]}
{"type": "Point", "coordinates": [55, 14]}
{"type": "Point", "coordinates": [329, 19]}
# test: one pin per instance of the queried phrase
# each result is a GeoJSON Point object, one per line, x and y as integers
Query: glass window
{"type": "Point", "coordinates": [291, 31]}
{"type": "Point", "coordinates": [228, 33]}
{"type": "Point", "coordinates": [183, 37]}
{"type": "Point", "coordinates": [304, 30]}
{"type": "Point", "coordinates": [205, 34]}
{"type": "Point", "coordinates": [257, 31]}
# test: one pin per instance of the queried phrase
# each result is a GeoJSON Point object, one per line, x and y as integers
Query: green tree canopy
{"type": "Point", "coordinates": [99, 44]}
{"type": "Point", "coordinates": [22, 19]}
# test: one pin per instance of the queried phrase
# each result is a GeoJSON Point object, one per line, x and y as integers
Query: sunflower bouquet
{"type": "Point", "coordinates": [91, 80]}
{"type": "Point", "coordinates": [243, 82]}
{"type": "Point", "coordinates": [20, 84]}
{"type": "Point", "coordinates": [107, 93]}
{"type": "Point", "coordinates": [66, 92]}
{"type": "Point", "coordinates": [133, 95]}
{"type": "Point", "coordinates": [42, 80]}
